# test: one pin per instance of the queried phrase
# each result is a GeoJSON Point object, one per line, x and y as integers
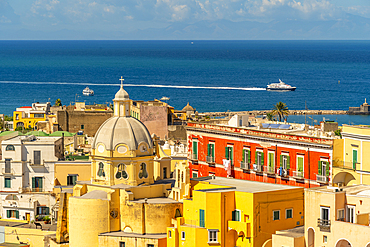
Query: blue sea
{"type": "Point", "coordinates": [210, 75]}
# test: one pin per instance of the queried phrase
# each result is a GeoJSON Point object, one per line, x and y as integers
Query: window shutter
{"type": "Point", "coordinates": [327, 169]}
{"type": "Point", "coordinates": [319, 167]}
{"type": "Point", "coordinates": [201, 218]}
{"type": "Point", "coordinates": [8, 213]}
{"type": "Point", "coordinates": [33, 182]}
{"type": "Point", "coordinates": [213, 150]}
{"type": "Point", "coordinates": [40, 183]}
{"type": "Point", "coordinates": [249, 156]}
{"type": "Point", "coordinates": [237, 215]}
{"type": "Point", "coordinates": [195, 148]}
{"type": "Point", "coordinates": [47, 211]}
{"type": "Point", "coordinates": [256, 157]}
{"type": "Point", "coordinates": [300, 164]}
{"type": "Point", "coordinates": [74, 179]}
{"type": "Point", "coordinates": [243, 157]}
{"type": "Point", "coordinates": [281, 160]}
{"type": "Point", "coordinates": [209, 149]}
{"type": "Point", "coordinates": [227, 153]}
{"type": "Point", "coordinates": [17, 214]}
{"type": "Point", "coordinates": [288, 163]}
{"type": "Point", "coordinates": [231, 153]}
{"type": "Point", "coordinates": [262, 159]}
{"type": "Point", "coordinates": [233, 215]}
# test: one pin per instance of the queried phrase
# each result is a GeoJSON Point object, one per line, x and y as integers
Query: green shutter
{"type": "Point", "coordinates": [201, 218]}
{"type": "Point", "coordinates": [195, 148]}
{"type": "Point", "coordinates": [300, 164]}
{"type": "Point", "coordinates": [40, 183]}
{"type": "Point", "coordinates": [237, 215]}
{"type": "Point", "coordinates": [47, 211]}
{"type": "Point", "coordinates": [8, 213]}
{"type": "Point", "coordinates": [243, 157]}
{"type": "Point", "coordinates": [288, 163]}
{"type": "Point", "coordinates": [231, 153]}
{"type": "Point", "coordinates": [354, 158]}
{"type": "Point", "coordinates": [262, 159]}
{"type": "Point", "coordinates": [319, 167]}
{"type": "Point", "coordinates": [327, 169]}
{"type": "Point", "coordinates": [17, 214]}
{"type": "Point", "coordinates": [209, 149]}
{"type": "Point", "coordinates": [281, 160]}
{"type": "Point", "coordinates": [227, 153]}
{"type": "Point", "coordinates": [249, 156]}
{"type": "Point", "coordinates": [256, 157]}
{"type": "Point", "coordinates": [74, 179]}
{"type": "Point", "coordinates": [233, 215]}
{"type": "Point", "coordinates": [271, 159]}
{"type": "Point", "coordinates": [213, 150]}
{"type": "Point", "coordinates": [33, 182]}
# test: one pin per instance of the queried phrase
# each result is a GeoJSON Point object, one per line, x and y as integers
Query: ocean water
{"type": "Point", "coordinates": [210, 75]}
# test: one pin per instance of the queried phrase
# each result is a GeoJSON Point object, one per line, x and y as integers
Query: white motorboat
{"type": "Point", "coordinates": [281, 86]}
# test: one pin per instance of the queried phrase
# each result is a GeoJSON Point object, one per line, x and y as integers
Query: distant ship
{"type": "Point", "coordinates": [281, 86]}
{"type": "Point", "coordinates": [88, 92]}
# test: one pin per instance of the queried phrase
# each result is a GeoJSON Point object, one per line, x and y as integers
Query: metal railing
{"type": "Point", "coordinates": [297, 174]}
{"type": "Point", "coordinates": [194, 156]}
{"type": "Point", "coordinates": [323, 224]}
{"type": "Point", "coordinates": [321, 178]}
{"type": "Point", "coordinates": [37, 189]}
{"type": "Point", "coordinates": [9, 171]}
{"type": "Point", "coordinates": [210, 159]}
{"type": "Point", "coordinates": [269, 169]}
{"type": "Point", "coordinates": [345, 164]}
{"type": "Point", "coordinates": [244, 165]}
{"type": "Point", "coordinates": [257, 168]}
{"type": "Point", "coordinates": [283, 172]}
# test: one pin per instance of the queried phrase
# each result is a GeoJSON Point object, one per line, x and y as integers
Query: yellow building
{"type": "Point", "coordinates": [337, 217]}
{"type": "Point", "coordinates": [28, 116]}
{"type": "Point", "coordinates": [126, 202]}
{"type": "Point", "coordinates": [231, 212]}
{"type": "Point", "coordinates": [351, 158]}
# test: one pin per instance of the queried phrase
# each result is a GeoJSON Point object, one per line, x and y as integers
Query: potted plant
{"type": "Point", "coordinates": [46, 219]}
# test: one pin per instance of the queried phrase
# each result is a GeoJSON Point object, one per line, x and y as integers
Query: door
{"type": "Point", "coordinates": [351, 213]}
{"type": "Point", "coordinates": [28, 217]}
{"type": "Point", "coordinates": [354, 158]}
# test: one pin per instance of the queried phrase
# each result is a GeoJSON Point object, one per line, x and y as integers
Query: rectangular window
{"type": "Point", "coordinates": [246, 159]}
{"type": "Point", "coordinates": [324, 213]}
{"type": "Point", "coordinates": [42, 210]}
{"type": "Point", "coordinates": [351, 213]}
{"type": "Point", "coordinates": [71, 179]}
{"type": "Point", "coordinates": [202, 222]}
{"type": "Point", "coordinates": [229, 154]}
{"type": "Point", "coordinates": [182, 235]}
{"type": "Point", "coordinates": [37, 157]}
{"type": "Point", "coordinates": [289, 213]}
{"type": "Point", "coordinates": [195, 174]}
{"type": "Point", "coordinates": [82, 126]}
{"type": "Point", "coordinates": [37, 184]}
{"type": "Point", "coordinates": [285, 161]}
{"type": "Point", "coordinates": [276, 214]}
{"type": "Point", "coordinates": [38, 115]}
{"type": "Point", "coordinates": [212, 236]}
{"type": "Point", "coordinates": [300, 164]}
{"type": "Point", "coordinates": [340, 214]}
{"type": "Point", "coordinates": [324, 168]}
{"type": "Point", "coordinates": [236, 216]}
{"type": "Point", "coordinates": [12, 214]}
{"type": "Point", "coordinates": [195, 150]}
{"type": "Point", "coordinates": [211, 149]}
{"type": "Point", "coordinates": [325, 239]}
{"type": "Point", "coordinates": [164, 172]}
{"type": "Point", "coordinates": [271, 160]}
{"type": "Point", "coordinates": [122, 244]}
{"type": "Point", "coordinates": [150, 245]}
{"type": "Point", "coordinates": [7, 165]}
{"type": "Point", "coordinates": [259, 159]}
{"type": "Point", "coordinates": [169, 234]}
{"type": "Point", "coordinates": [8, 183]}
{"type": "Point", "coordinates": [354, 158]}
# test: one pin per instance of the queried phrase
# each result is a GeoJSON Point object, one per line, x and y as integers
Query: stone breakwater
{"type": "Point", "coordinates": [264, 112]}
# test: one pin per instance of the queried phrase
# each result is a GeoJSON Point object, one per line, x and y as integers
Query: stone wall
{"type": "Point", "coordinates": [155, 119]}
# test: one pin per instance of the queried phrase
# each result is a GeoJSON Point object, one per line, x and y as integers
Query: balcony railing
{"type": "Point", "coordinates": [323, 224]}
{"type": "Point", "coordinates": [37, 189]}
{"type": "Point", "coordinates": [283, 172]}
{"type": "Point", "coordinates": [257, 168]}
{"type": "Point", "coordinates": [8, 171]}
{"type": "Point", "coordinates": [194, 156]}
{"type": "Point", "coordinates": [210, 159]}
{"type": "Point", "coordinates": [345, 164]}
{"type": "Point", "coordinates": [297, 174]}
{"type": "Point", "coordinates": [269, 169]}
{"type": "Point", "coordinates": [244, 165]}
{"type": "Point", "coordinates": [321, 178]}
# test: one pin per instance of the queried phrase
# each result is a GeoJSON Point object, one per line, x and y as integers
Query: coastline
{"type": "Point", "coordinates": [264, 112]}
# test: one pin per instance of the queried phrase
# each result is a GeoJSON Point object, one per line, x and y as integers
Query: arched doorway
{"type": "Point", "coordinates": [343, 243]}
{"type": "Point", "coordinates": [343, 178]}
{"type": "Point", "coordinates": [311, 237]}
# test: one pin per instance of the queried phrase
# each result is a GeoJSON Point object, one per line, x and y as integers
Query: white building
{"type": "Point", "coordinates": [27, 175]}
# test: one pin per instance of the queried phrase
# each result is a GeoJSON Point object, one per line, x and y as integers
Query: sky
{"type": "Point", "coordinates": [183, 19]}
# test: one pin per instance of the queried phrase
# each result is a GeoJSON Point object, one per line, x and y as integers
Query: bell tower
{"type": "Point", "coordinates": [121, 102]}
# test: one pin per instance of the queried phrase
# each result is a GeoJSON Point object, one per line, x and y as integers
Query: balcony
{"type": "Point", "coordinates": [269, 169]}
{"type": "Point", "coordinates": [321, 178]}
{"type": "Point", "coordinates": [8, 171]}
{"type": "Point", "coordinates": [283, 172]}
{"type": "Point", "coordinates": [37, 163]}
{"type": "Point", "coordinates": [258, 168]}
{"type": "Point", "coordinates": [37, 189]}
{"type": "Point", "coordinates": [345, 164]}
{"type": "Point", "coordinates": [194, 156]}
{"type": "Point", "coordinates": [298, 174]}
{"type": "Point", "coordinates": [323, 224]}
{"type": "Point", "coordinates": [239, 227]}
{"type": "Point", "coordinates": [210, 159]}
{"type": "Point", "coordinates": [245, 165]}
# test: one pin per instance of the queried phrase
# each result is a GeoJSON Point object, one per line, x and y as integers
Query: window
{"type": "Point", "coordinates": [150, 245]}
{"type": "Point", "coordinates": [38, 115]}
{"type": "Point", "coordinates": [71, 179]}
{"type": "Point", "coordinates": [195, 174]}
{"type": "Point", "coordinates": [10, 148]}
{"type": "Point", "coordinates": [325, 239]}
{"type": "Point", "coordinates": [7, 165]}
{"type": "Point", "coordinates": [324, 168]}
{"type": "Point", "coordinates": [259, 159]}
{"type": "Point", "coordinates": [300, 165]}
{"type": "Point", "coordinates": [202, 222]}
{"type": "Point", "coordinates": [229, 153]}
{"type": "Point", "coordinates": [211, 152]}
{"type": "Point", "coordinates": [354, 158]}
{"type": "Point", "coordinates": [37, 184]}
{"type": "Point", "coordinates": [285, 161]}
{"type": "Point", "coordinates": [121, 171]}
{"type": "Point", "coordinates": [12, 214]}
{"type": "Point", "coordinates": [143, 173]}
{"type": "Point", "coordinates": [82, 126]}
{"type": "Point", "coordinates": [351, 213]}
{"type": "Point", "coordinates": [7, 182]}
{"type": "Point", "coordinates": [101, 172]}
{"type": "Point", "coordinates": [246, 159]}
{"type": "Point", "coordinates": [271, 162]}
{"type": "Point", "coordinates": [236, 216]}
{"type": "Point", "coordinates": [324, 213]}
{"type": "Point", "coordinates": [276, 214]}
{"type": "Point", "coordinates": [212, 236]}
{"type": "Point", "coordinates": [42, 210]}
{"type": "Point", "coordinates": [289, 213]}
{"type": "Point", "coordinates": [340, 214]}
{"type": "Point", "coordinates": [122, 244]}
{"type": "Point", "coordinates": [16, 116]}
{"type": "Point", "coordinates": [182, 235]}
{"type": "Point", "coordinates": [195, 150]}
{"type": "Point", "coordinates": [169, 234]}
{"type": "Point", "coordinates": [37, 157]}
{"type": "Point", "coordinates": [164, 172]}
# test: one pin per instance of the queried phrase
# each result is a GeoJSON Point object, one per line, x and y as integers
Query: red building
{"type": "Point", "coordinates": [272, 156]}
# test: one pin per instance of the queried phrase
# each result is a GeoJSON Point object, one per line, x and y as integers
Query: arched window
{"type": "Point", "coordinates": [143, 172]}
{"type": "Point", "coordinates": [10, 148]}
{"type": "Point", "coordinates": [121, 172]}
{"type": "Point", "coordinates": [101, 172]}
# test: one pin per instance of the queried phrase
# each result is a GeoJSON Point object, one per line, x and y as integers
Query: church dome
{"type": "Point", "coordinates": [122, 130]}
{"type": "Point", "coordinates": [188, 108]}
{"type": "Point", "coordinates": [121, 95]}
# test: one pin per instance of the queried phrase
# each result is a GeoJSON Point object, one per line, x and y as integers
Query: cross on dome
{"type": "Point", "coordinates": [121, 81]}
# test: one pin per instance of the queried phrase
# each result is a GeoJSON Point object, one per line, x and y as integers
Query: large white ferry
{"type": "Point", "coordinates": [88, 92]}
{"type": "Point", "coordinates": [281, 86]}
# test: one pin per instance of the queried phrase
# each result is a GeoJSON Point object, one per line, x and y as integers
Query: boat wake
{"type": "Point", "coordinates": [137, 85]}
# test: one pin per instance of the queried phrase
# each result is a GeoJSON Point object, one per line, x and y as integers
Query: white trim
{"type": "Point", "coordinates": [296, 164]}
{"type": "Point", "coordinates": [273, 211]}
{"type": "Point", "coordinates": [324, 207]}
{"type": "Point", "coordinates": [343, 239]}
{"type": "Point", "coordinates": [211, 241]}
{"type": "Point", "coordinates": [183, 235]}
{"type": "Point", "coordinates": [286, 213]}
{"type": "Point", "coordinates": [268, 158]}
{"type": "Point", "coordinates": [312, 229]}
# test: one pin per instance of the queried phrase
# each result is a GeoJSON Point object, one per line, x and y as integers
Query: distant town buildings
{"type": "Point", "coordinates": [364, 109]}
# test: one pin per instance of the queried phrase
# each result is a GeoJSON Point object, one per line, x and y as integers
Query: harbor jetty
{"type": "Point", "coordinates": [264, 112]}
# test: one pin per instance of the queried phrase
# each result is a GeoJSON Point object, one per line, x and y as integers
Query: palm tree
{"type": "Point", "coordinates": [270, 116]}
{"type": "Point", "coordinates": [58, 102]}
{"type": "Point", "coordinates": [281, 110]}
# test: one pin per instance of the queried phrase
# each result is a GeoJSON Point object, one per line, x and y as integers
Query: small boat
{"type": "Point", "coordinates": [88, 92]}
{"type": "Point", "coordinates": [281, 86]}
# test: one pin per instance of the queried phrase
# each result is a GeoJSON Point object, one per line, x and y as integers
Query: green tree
{"type": "Point", "coordinates": [270, 116]}
{"type": "Point", "coordinates": [58, 102]}
{"type": "Point", "coordinates": [281, 110]}
{"type": "Point", "coordinates": [8, 118]}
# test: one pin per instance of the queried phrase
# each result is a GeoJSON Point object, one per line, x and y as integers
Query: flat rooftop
{"type": "Point", "coordinates": [243, 185]}
{"type": "Point", "coordinates": [296, 232]}
{"type": "Point", "coordinates": [353, 190]}
{"type": "Point", "coordinates": [134, 235]}
{"type": "Point", "coordinates": [155, 200]}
